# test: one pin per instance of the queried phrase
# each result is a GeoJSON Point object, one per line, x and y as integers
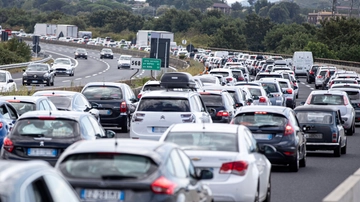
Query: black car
{"type": "Point", "coordinates": [81, 53]}
{"type": "Point", "coordinates": [106, 53]}
{"type": "Point", "coordinates": [220, 105]}
{"type": "Point", "coordinates": [277, 126]}
{"type": "Point", "coordinates": [24, 104]}
{"type": "Point", "coordinates": [46, 134]}
{"type": "Point", "coordinates": [133, 170]}
{"type": "Point", "coordinates": [323, 128]}
{"type": "Point", "coordinates": [114, 102]}
{"type": "Point", "coordinates": [311, 74]}
{"type": "Point", "coordinates": [69, 101]}
{"type": "Point", "coordinates": [37, 74]}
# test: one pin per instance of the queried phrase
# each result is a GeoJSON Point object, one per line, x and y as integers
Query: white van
{"type": "Point", "coordinates": [302, 62]}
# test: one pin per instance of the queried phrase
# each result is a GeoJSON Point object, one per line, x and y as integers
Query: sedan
{"type": "Point", "coordinates": [106, 53]}
{"type": "Point", "coordinates": [133, 170]}
{"type": "Point", "coordinates": [278, 127]}
{"type": "Point", "coordinates": [241, 171]}
{"type": "Point", "coordinates": [81, 53]}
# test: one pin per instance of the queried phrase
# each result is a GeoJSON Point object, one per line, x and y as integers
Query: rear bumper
{"type": "Point", "coordinates": [10, 156]}
{"type": "Point", "coordinates": [81, 56]}
{"type": "Point", "coordinates": [311, 78]}
{"type": "Point", "coordinates": [114, 122]}
{"type": "Point", "coordinates": [289, 102]}
{"type": "Point", "coordinates": [144, 136]}
{"type": "Point", "coordinates": [279, 157]}
{"type": "Point", "coordinates": [321, 146]}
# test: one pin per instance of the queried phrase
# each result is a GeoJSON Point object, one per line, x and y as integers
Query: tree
{"type": "Point", "coordinates": [229, 37]}
{"type": "Point", "coordinates": [200, 4]}
{"type": "Point", "coordinates": [237, 6]}
{"type": "Point", "coordinates": [320, 50]}
{"type": "Point", "coordinates": [255, 31]}
{"type": "Point", "coordinates": [155, 3]}
{"type": "Point", "coordinates": [260, 4]}
{"type": "Point", "coordinates": [279, 14]}
{"type": "Point", "coordinates": [53, 5]}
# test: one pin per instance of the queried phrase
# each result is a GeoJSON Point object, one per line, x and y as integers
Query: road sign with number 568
{"type": "Point", "coordinates": [135, 63]}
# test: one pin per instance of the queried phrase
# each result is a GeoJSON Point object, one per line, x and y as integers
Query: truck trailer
{"type": "Point", "coordinates": [143, 37]}
{"type": "Point", "coordinates": [67, 31]}
{"type": "Point", "coordinates": [43, 29]}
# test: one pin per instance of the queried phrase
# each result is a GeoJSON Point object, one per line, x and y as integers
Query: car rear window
{"type": "Point", "coordinates": [322, 73]}
{"type": "Point", "coordinates": [283, 84]}
{"type": "Point", "coordinates": [260, 76]}
{"type": "Point", "coordinates": [270, 87]}
{"type": "Point", "coordinates": [318, 117]}
{"type": "Point", "coordinates": [261, 119]}
{"type": "Point", "coordinates": [327, 99]}
{"type": "Point", "coordinates": [353, 95]}
{"type": "Point", "coordinates": [212, 100]}
{"type": "Point", "coordinates": [107, 166]}
{"type": "Point", "coordinates": [103, 93]}
{"type": "Point", "coordinates": [60, 102]}
{"type": "Point", "coordinates": [255, 91]}
{"type": "Point", "coordinates": [58, 128]}
{"type": "Point", "coordinates": [345, 81]}
{"type": "Point", "coordinates": [208, 141]}
{"type": "Point", "coordinates": [164, 105]}
{"type": "Point", "coordinates": [208, 79]}
{"type": "Point", "coordinates": [22, 107]}
{"type": "Point", "coordinates": [224, 74]}
{"type": "Point", "coordinates": [152, 87]}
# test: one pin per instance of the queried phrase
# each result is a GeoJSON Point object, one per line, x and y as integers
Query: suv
{"type": "Point", "coordinates": [274, 91]}
{"type": "Point", "coordinates": [106, 53]}
{"type": "Point", "coordinates": [114, 102]}
{"type": "Point", "coordinates": [226, 73]}
{"type": "Point", "coordinates": [158, 110]}
{"type": "Point", "coordinates": [38, 73]}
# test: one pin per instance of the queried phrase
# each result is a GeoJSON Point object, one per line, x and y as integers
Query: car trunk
{"type": "Point", "coordinates": [158, 122]}
{"type": "Point", "coordinates": [270, 135]}
{"type": "Point", "coordinates": [108, 108]}
{"type": "Point", "coordinates": [319, 133]}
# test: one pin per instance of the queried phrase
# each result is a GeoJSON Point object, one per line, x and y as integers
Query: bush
{"type": "Point", "coordinates": [181, 57]}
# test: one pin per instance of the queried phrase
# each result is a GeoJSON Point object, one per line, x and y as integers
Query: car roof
{"type": "Point", "coordinates": [22, 98]}
{"type": "Point", "coordinates": [345, 84]}
{"type": "Point", "coordinates": [317, 108]}
{"type": "Point", "coordinates": [211, 127]}
{"type": "Point", "coordinates": [344, 89]}
{"type": "Point", "coordinates": [273, 109]}
{"type": "Point", "coordinates": [274, 79]}
{"type": "Point", "coordinates": [322, 92]}
{"type": "Point", "coordinates": [74, 115]}
{"type": "Point", "coordinates": [126, 55]}
{"type": "Point", "coordinates": [115, 84]}
{"type": "Point", "coordinates": [4, 71]}
{"type": "Point", "coordinates": [220, 70]}
{"type": "Point", "coordinates": [152, 83]}
{"type": "Point", "coordinates": [267, 73]}
{"type": "Point", "coordinates": [55, 92]}
{"type": "Point", "coordinates": [164, 93]}
{"type": "Point", "coordinates": [221, 87]}
{"type": "Point", "coordinates": [10, 168]}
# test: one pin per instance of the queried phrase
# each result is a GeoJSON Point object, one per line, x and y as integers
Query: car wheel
{"type": "Point", "coordinates": [337, 150]}
{"type": "Point", "coordinates": [257, 194]}
{"type": "Point", "coordinates": [268, 191]}
{"type": "Point", "coordinates": [303, 160]}
{"type": "Point", "coordinates": [316, 87]}
{"type": "Point", "coordinates": [307, 80]}
{"type": "Point", "coordinates": [343, 149]}
{"type": "Point", "coordinates": [86, 58]}
{"type": "Point", "coordinates": [75, 58]}
{"type": "Point", "coordinates": [297, 96]}
{"type": "Point", "coordinates": [294, 166]}
{"type": "Point", "coordinates": [52, 83]}
{"type": "Point", "coordinates": [101, 57]}
{"type": "Point", "coordinates": [350, 132]}
{"type": "Point", "coordinates": [48, 83]}
{"type": "Point", "coordinates": [126, 127]}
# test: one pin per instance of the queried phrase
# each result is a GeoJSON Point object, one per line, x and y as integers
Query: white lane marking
{"type": "Point", "coordinates": [76, 62]}
{"type": "Point", "coordinates": [173, 69]}
{"type": "Point", "coordinates": [87, 77]}
{"type": "Point", "coordinates": [78, 79]}
{"type": "Point", "coordinates": [308, 86]}
{"type": "Point", "coordinates": [312, 88]}
{"type": "Point", "coordinates": [94, 74]}
{"type": "Point", "coordinates": [104, 71]}
{"type": "Point", "coordinates": [17, 79]}
{"type": "Point", "coordinates": [100, 72]}
{"type": "Point", "coordinates": [66, 81]}
{"type": "Point", "coordinates": [302, 83]}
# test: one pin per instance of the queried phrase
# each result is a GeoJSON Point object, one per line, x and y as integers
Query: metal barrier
{"type": "Point", "coordinates": [17, 65]}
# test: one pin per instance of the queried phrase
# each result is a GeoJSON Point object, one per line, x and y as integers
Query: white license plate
{"type": "Point", "coordinates": [102, 194]}
{"type": "Point", "coordinates": [314, 135]}
{"type": "Point", "coordinates": [105, 112]}
{"type": "Point", "coordinates": [41, 152]}
{"type": "Point", "coordinates": [262, 136]}
{"type": "Point", "coordinates": [298, 67]}
{"type": "Point", "coordinates": [34, 81]}
{"type": "Point", "coordinates": [159, 129]}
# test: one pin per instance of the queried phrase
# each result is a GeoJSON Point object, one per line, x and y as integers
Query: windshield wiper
{"type": "Point", "coordinates": [268, 126]}
{"type": "Point", "coordinates": [33, 134]}
{"type": "Point", "coordinates": [117, 177]}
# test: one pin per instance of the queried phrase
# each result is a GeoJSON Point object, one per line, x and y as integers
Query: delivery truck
{"type": "Point", "coordinates": [67, 31]}
{"type": "Point", "coordinates": [43, 29]}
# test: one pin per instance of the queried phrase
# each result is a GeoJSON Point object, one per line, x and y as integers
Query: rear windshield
{"type": "Point", "coordinates": [315, 117]}
{"type": "Point", "coordinates": [255, 91]}
{"type": "Point", "coordinates": [22, 107]}
{"type": "Point", "coordinates": [270, 87]}
{"type": "Point", "coordinates": [208, 141]}
{"type": "Point", "coordinates": [152, 87]}
{"type": "Point", "coordinates": [353, 95]}
{"type": "Point", "coordinates": [286, 76]}
{"type": "Point", "coordinates": [212, 100]}
{"type": "Point", "coordinates": [208, 79]}
{"type": "Point", "coordinates": [283, 84]}
{"type": "Point", "coordinates": [58, 128]}
{"type": "Point", "coordinates": [327, 100]}
{"type": "Point", "coordinates": [224, 74]}
{"type": "Point", "coordinates": [322, 73]}
{"type": "Point", "coordinates": [260, 76]}
{"type": "Point", "coordinates": [261, 119]}
{"type": "Point", "coordinates": [61, 102]}
{"type": "Point", "coordinates": [103, 93]}
{"type": "Point", "coordinates": [164, 105]}
{"type": "Point", "coordinates": [107, 166]}
{"type": "Point", "coordinates": [345, 81]}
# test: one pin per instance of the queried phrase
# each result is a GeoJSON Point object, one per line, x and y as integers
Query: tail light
{"type": "Point", "coordinates": [123, 107]}
{"type": "Point", "coordinates": [236, 167]}
{"type": "Point", "coordinates": [163, 186]}
{"type": "Point", "coordinates": [138, 117]}
{"type": "Point", "coordinates": [319, 76]}
{"type": "Point", "coordinates": [8, 144]}
{"type": "Point", "coordinates": [334, 137]}
{"type": "Point", "coordinates": [276, 95]}
{"type": "Point", "coordinates": [289, 91]}
{"type": "Point", "coordinates": [187, 118]}
{"type": "Point", "coordinates": [311, 72]}
{"type": "Point", "coordinates": [346, 101]}
{"type": "Point", "coordinates": [139, 95]}
{"type": "Point", "coordinates": [289, 130]}
{"type": "Point", "coordinates": [308, 100]}
{"type": "Point", "coordinates": [1, 125]}
{"type": "Point", "coordinates": [294, 83]}
{"type": "Point", "coordinates": [240, 78]}
{"type": "Point", "coordinates": [229, 79]}
{"type": "Point", "coordinates": [222, 113]}
{"type": "Point", "coordinates": [262, 99]}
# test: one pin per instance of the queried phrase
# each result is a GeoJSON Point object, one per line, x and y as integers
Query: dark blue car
{"type": "Point", "coordinates": [8, 116]}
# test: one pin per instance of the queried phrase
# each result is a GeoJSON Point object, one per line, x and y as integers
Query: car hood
{"type": "Point", "coordinates": [124, 61]}
{"type": "Point", "coordinates": [62, 67]}
{"type": "Point", "coordinates": [30, 73]}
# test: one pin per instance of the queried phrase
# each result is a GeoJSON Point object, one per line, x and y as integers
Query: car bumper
{"type": "Point", "coordinates": [114, 122]}
{"type": "Point", "coordinates": [81, 56]}
{"type": "Point", "coordinates": [67, 72]}
{"type": "Point", "coordinates": [10, 156]}
{"type": "Point", "coordinates": [319, 82]}
{"type": "Point", "coordinates": [289, 102]}
{"type": "Point", "coordinates": [321, 145]}
{"type": "Point", "coordinates": [124, 66]}
{"type": "Point", "coordinates": [36, 81]}
{"type": "Point", "coordinates": [279, 157]}
{"type": "Point", "coordinates": [276, 102]}
{"type": "Point", "coordinates": [107, 56]}
{"type": "Point", "coordinates": [145, 136]}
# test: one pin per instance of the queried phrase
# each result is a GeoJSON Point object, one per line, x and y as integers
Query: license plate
{"type": "Point", "coordinates": [105, 112]}
{"type": "Point", "coordinates": [34, 81]}
{"type": "Point", "coordinates": [159, 129]}
{"type": "Point", "coordinates": [102, 194]}
{"type": "Point", "coordinates": [298, 67]}
{"type": "Point", "coordinates": [262, 136]}
{"type": "Point", "coordinates": [314, 135]}
{"type": "Point", "coordinates": [41, 152]}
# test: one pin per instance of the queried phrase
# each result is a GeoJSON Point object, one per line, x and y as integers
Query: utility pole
{"type": "Point", "coordinates": [351, 8]}
{"type": "Point", "coordinates": [333, 8]}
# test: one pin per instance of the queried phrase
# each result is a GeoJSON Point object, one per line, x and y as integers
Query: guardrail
{"type": "Point", "coordinates": [17, 65]}
{"type": "Point", "coordinates": [174, 62]}
{"type": "Point", "coordinates": [347, 191]}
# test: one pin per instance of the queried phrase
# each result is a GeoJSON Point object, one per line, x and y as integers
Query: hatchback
{"type": "Point", "coordinates": [238, 95]}
{"type": "Point", "coordinates": [24, 104]}
{"type": "Point", "coordinates": [106, 53]}
{"type": "Point", "coordinates": [8, 116]}
{"type": "Point", "coordinates": [277, 126]}
{"type": "Point", "coordinates": [226, 73]}
{"type": "Point", "coordinates": [354, 96]}
{"type": "Point", "coordinates": [273, 88]}
{"type": "Point", "coordinates": [259, 95]}
{"type": "Point", "coordinates": [133, 170]}
{"type": "Point", "coordinates": [219, 104]}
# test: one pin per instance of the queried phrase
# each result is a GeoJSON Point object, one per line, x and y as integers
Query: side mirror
{"type": "Point", "coordinates": [252, 79]}
{"type": "Point", "coordinates": [302, 103]}
{"type": "Point", "coordinates": [24, 70]}
{"type": "Point", "coordinates": [94, 105]}
{"type": "Point", "coordinates": [10, 81]}
{"type": "Point", "coordinates": [223, 83]}
{"type": "Point", "coordinates": [270, 95]}
{"type": "Point", "coordinates": [250, 100]}
{"type": "Point", "coordinates": [255, 97]}
{"type": "Point", "coordinates": [238, 105]}
{"type": "Point", "coordinates": [298, 81]}
{"type": "Point", "coordinates": [205, 175]}
{"type": "Point", "coordinates": [52, 64]}
{"type": "Point", "coordinates": [51, 70]}
{"type": "Point", "coordinates": [267, 149]}
{"type": "Point", "coordinates": [110, 134]}
{"type": "Point", "coordinates": [133, 100]}
{"type": "Point", "coordinates": [98, 136]}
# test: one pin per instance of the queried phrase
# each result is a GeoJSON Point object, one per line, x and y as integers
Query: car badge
{"type": "Point", "coordinates": [41, 143]}
{"type": "Point", "coordinates": [35, 76]}
{"type": "Point", "coordinates": [162, 117]}
{"type": "Point", "coordinates": [196, 159]}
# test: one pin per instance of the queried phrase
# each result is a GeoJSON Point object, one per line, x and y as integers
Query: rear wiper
{"type": "Point", "coordinates": [33, 135]}
{"type": "Point", "coordinates": [117, 177]}
{"type": "Point", "coordinates": [268, 126]}
{"type": "Point", "coordinates": [107, 98]}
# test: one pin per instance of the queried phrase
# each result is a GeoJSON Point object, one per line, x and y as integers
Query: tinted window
{"type": "Point", "coordinates": [224, 74]}
{"type": "Point", "coordinates": [164, 105]}
{"type": "Point", "coordinates": [283, 84]}
{"type": "Point", "coordinates": [62, 61]}
{"type": "Point", "coordinates": [152, 87]}
{"type": "Point", "coordinates": [22, 107]}
{"type": "Point", "coordinates": [270, 87]}
{"type": "Point", "coordinates": [255, 91]}
{"type": "Point", "coordinates": [37, 68]}
{"type": "Point", "coordinates": [260, 76]}
{"type": "Point", "coordinates": [61, 102]}
{"type": "Point", "coordinates": [258, 119]}
{"type": "Point", "coordinates": [103, 93]}
{"type": "Point", "coordinates": [208, 79]}
{"type": "Point", "coordinates": [101, 165]}
{"type": "Point", "coordinates": [315, 117]}
{"type": "Point", "coordinates": [125, 57]}
{"type": "Point", "coordinates": [353, 95]}
{"type": "Point", "coordinates": [59, 128]}
{"type": "Point", "coordinates": [209, 141]}
{"type": "Point", "coordinates": [212, 100]}
{"type": "Point", "coordinates": [327, 100]}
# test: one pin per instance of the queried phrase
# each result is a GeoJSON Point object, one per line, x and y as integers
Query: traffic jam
{"type": "Point", "coordinates": [212, 137]}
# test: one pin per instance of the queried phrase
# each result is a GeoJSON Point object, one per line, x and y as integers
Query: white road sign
{"type": "Point", "coordinates": [184, 41]}
{"type": "Point", "coordinates": [135, 63]}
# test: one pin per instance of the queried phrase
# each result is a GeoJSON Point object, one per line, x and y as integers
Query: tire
{"type": "Point", "coordinates": [343, 149]}
{"type": "Point", "coordinates": [86, 58]}
{"type": "Point", "coordinates": [48, 83]}
{"type": "Point", "coordinates": [268, 191]}
{"type": "Point", "coordinates": [302, 162]}
{"type": "Point", "coordinates": [52, 83]}
{"type": "Point", "coordinates": [350, 132]}
{"type": "Point", "coordinates": [297, 95]}
{"type": "Point", "coordinates": [126, 127]}
{"type": "Point", "coordinates": [337, 151]}
{"type": "Point", "coordinates": [101, 57]}
{"type": "Point", "coordinates": [307, 80]}
{"type": "Point", "coordinates": [316, 87]}
{"type": "Point", "coordinates": [75, 58]}
{"type": "Point", "coordinates": [295, 165]}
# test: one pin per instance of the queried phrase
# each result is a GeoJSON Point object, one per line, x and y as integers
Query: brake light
{"type": "Point", "coordinates": [13, 100]}
{"type": "Point", "coordinates": [240, 78]}
{"type": "Point", "coordinates": [346, 101]}
{"type": "Point", "coordinates": [311, 72]}
{"type": "Point", "coordinates": [8, 144]}
{"type": "Point", "coordinates": [236, 167]}
{"type": "Point", "coordinates": [289, 130]}
{"type": "Point", "coordinates": [139, 95]}
{"type": "Point", "coordinates": [222, 113]}
{"type": "Point", "coordinates": [308, 100]}
{"type": "Point", "coordinates": [229, 79]}
{"type": "Point", "coordinates": [334, 137]}
{"type": "Point", "coordinates": [187, 118]}
{"type": "Point", "coordinates": [123, 107]}
{"type": "Point", "coordinates": [47, 118]}
{"type": "Point", "coordinates": [1, 125]}
{"type": "Point", "coordinates": [319, 76]}
{"type": "Point", "coordinates": [163, 186]}
{"type": "Point", "coordinates": [289, 91]}
{"type": "Point", "coordinates": [260, 112]}
{"type": "Point", "coordinates": [262, 99]}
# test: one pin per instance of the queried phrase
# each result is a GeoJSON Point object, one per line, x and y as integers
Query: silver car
{"type": "Point", "coordinates": [274, 90]}
{"type": "Point", "coordinates": [259, 95]}
{"type": "Point", "coordinates": [337, 98]}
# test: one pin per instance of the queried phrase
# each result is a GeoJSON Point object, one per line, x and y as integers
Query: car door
{"type": "Point", "coordinates": [36, 190]}
{"type": "Point", "coordinates": [339, 126]}
{"type": "Point", "coordinates": [59, 189]}
{"type": "Point", "coordinates": [203, 113]}
{"type": "Point", "coordinates": [300, 137]}
{"type": "Point", "coordinates": [9, 114]}
{"type": "Point", "coordinates": [87, 130]}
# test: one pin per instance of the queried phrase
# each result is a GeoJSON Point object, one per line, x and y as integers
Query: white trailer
{"type": "Point", "coordinates": [143, 37]}
{"type": "Point", "coordinates": [83, 34]}
{"type": "Point", "coordinates": [43, 29]}
{"type": "Point", "coordinates": [67, 31]}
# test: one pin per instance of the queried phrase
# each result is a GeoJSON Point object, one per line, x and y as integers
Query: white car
{"type": "Point", "coordinates": [226, 73]}
{"type": "Point", "coordinates": [124, 61]}
{"type": "Point", "coordinates": [149, 86]}
{"type": "Point", "coordinates": [241, 172]}
{"type": "Point", "coordinates": [7, 83]}
{"type": "Point", "coordinates": [63, 66]}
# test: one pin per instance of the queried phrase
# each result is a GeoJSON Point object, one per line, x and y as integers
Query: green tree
{"type": "Point", "coordinates": [349, 53]}
{"type": "Point", "coordinates": [255, 31]}
{"type": "Point", "coordinates": [261, 4]}
{"type": "Point", "coordinates": [200, 4]}
{"type": "Point", "coordinates": [237, 6]}
{"type": "Point", "coordinates": [320, 50]}
{"type": "Point", "coordinates": [279, 14]}
{"type": "Point", "coordinates": [53, 5]}
{"type": "Point", "coordinates": [156, 3]}
{"type": "Point", "coordinates": [229, 37]}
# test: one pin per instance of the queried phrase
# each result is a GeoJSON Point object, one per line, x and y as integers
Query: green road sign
{"type": "Point", "coordinates": [150, 64]}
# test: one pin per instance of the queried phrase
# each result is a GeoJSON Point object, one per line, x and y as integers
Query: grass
{"type": "Point", "coordinates": [195, 68]}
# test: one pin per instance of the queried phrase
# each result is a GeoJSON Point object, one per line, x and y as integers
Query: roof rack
{"type": "Point", "coordinates": [178, 80]}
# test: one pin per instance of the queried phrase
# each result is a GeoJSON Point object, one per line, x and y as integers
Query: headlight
{"type": "Point", "coordinates": [46, 75]}
{"type": "Point", "coordinates": [76, 53]}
